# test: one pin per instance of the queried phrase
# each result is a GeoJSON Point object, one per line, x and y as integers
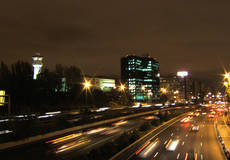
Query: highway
{"type": "Point", "coordinates": [200, 145]}
{"type": "Point", "coordinates": [73, 144]}
{"type": "Point", "coordinates": [178, 141]}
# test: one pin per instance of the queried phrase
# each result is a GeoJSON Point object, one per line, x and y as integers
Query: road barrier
{"type": "Point", "coordinates": [226, 152]}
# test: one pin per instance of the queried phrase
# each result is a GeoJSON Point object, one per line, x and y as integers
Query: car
{"type": "Point", "coordinates": [172, 144]}
{"type": "Point", "coordinates": [195, 128]}
{"type": "Point", "coordinates": [185, 120]}
{"type": "Point", "coordinates": [211, 116]}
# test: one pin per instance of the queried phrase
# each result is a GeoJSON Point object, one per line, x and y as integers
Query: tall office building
{"type": "Point", "coordinates": [180, 90]}
{"type": "Point", "coordinates": [141, 77]}
{"type": "Point", "coordinates": [37, 64]}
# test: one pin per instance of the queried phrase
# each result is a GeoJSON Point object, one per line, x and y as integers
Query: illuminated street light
{"type": "Point", "coordinates": [122, 87]}
{"type": "Point", "coordinates": [227, 75]}
{"type": "Point", "coordinates": [227, 85]}
{"type": "Point", "coordinates": [87, 85]}
{"type": "Point", "coordinates": [227, 91]}
{"type": "Point", "coordinates": [164, 90]}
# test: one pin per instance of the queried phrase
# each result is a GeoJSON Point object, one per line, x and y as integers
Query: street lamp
{"type": "Point", "coordinates": [143, 90]}
{"type": "Point", "coordinates": [123, 93]}
{"type": "Point", "coordinates": [227, 90]}
{"type": "Point", "coordinates": [163, 90]}
{"type": "Point", "coordinates": [226, 84]}
{"type": "Point", "coordinates": [227, 75]}
{"type": "Point", "coordinates": [87, 84]}
{"type": "Point", "coordinates": [122, 87]}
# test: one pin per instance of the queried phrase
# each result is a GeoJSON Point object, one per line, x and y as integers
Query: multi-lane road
{"type": "Point", "coordinates": [177, 140]}
{"type": "Point", "coordinates": [73, 144]}
{"type": "Point", "coordinates": [172, 140]}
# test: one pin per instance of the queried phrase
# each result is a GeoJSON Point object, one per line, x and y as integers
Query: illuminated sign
{"type": "Point", "coordinates": [107, 83]}
{"type": "Point", "coordinates": [2, 97]}
{"type": "Point", "coordinates": [182, 74]}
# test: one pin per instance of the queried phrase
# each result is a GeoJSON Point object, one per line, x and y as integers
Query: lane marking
{"type": "Point", "coordinates": [166, 125]}
{"type": "Point", "coordinates": [201, 157]}
{"type": "Point", "coordinates": [171, 134]}
{"type": "Point", "coordinates": [182, 143]}
{"type": "Point", "coordinates": [178, 156]}
{"type": "Point", "coordinates": [156, 154]}
{"type": "Point", "coordinates": [201, 144]}
{"type": "Point", "coordinates": [186, 135]}
{"type": "Point", "coordinates": [166, 142]}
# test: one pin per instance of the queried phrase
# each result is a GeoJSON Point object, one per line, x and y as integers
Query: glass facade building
{"type": "Point", "coordinates": [141, 77]}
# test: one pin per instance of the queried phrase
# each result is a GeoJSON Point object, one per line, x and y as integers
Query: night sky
{"type": "Point", "coordinates": [94, 34]}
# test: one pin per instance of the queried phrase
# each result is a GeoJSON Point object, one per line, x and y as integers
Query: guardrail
{"type": "Point", "coordinates": [226, 152]}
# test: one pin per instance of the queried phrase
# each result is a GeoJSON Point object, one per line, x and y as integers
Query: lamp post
{"type": "Point", "coordinates": [164, 97]}
{"type": "Point", "coordinates": [226, 84]}
{"type": "Point", "coordinates": [123, 95]}
{"type": "Point", "coordinates": [227, 91]}
{"type": "Point", "coordinates": [87, 85]}
{"type": "Point", "coordinates": [163, 90]}
{"type": "Point", "coordinates": [184, 74]}
{"type": "Point", "coordinates": [122, 87]}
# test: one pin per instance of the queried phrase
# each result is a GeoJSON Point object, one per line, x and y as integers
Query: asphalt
{"type": "Point", "coordinates": [201, 145]}
{"type": "Point", "coordinates": [80, 142]}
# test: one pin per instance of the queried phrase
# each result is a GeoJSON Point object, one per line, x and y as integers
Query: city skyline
{"type": "Point", "coordinates": [182, 36]}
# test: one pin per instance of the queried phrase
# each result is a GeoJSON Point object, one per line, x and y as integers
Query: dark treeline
{"type": "Point", "coordinates": [47, 94]}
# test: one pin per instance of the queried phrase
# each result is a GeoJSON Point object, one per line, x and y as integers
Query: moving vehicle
{"type": "Point", "coordinates": [195, 128]}
{"type": "Point", "coordinates": [172, 144]}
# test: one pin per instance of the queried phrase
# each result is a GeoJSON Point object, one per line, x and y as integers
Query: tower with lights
{"type": "Point", "coordinates": [37, 64]}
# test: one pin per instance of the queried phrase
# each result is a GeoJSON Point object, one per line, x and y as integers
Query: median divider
{"type": "Point", "coordinates": [172, 121]}
{"type": "Point", "coordinates": [28, 140]}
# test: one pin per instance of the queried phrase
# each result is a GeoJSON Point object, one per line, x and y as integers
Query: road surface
{"type": "Point", "coordinates": [181, 142]}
